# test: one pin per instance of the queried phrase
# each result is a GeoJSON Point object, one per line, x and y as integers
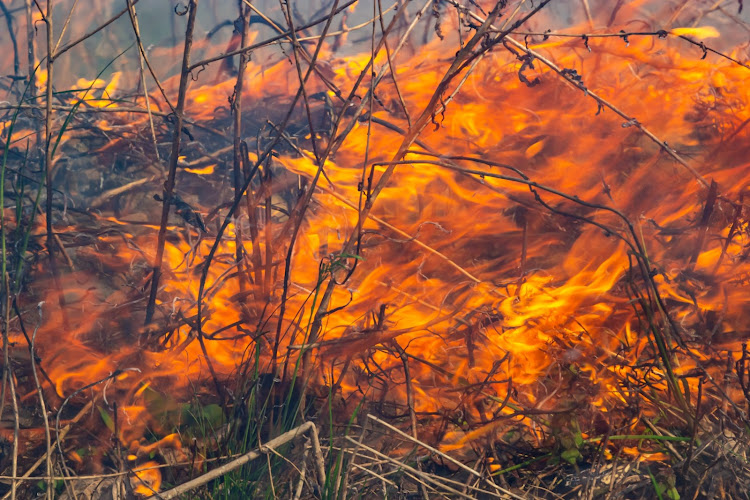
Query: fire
{"type": "Point", "coordinates": [512, 291]}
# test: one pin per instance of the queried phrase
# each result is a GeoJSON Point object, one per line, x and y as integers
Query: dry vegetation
{"type": "Point", "coordinates": [361, 249]}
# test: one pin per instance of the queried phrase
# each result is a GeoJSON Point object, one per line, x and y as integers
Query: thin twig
{"type": "Point", "coordinates": [297, 216]}
{"type": "Point", "coordinates": [281, 36]}
{"type": "Point", "coordinates": [16, 429]}
{"type": "Point", "coordinates": [42, 404]}
{"type": "Point", "coordinates": [12, 33]}
{"type": "Point", "coordinates": [303, 472]}
{"type": "Point", "coordinates": [409, 403]}
{"type": "Point", "coordinates": [345, 480]}
{"type": "Point", "coordinates": [65, 25]}
{"type": "Point", "coordinates": [141, 57]}
{"type": "Point", "coordinates": [170, 182]}
{"type": "Point", "coordinates": [96, 30]}
{"type": "Point", "coordinates": [236, 105]}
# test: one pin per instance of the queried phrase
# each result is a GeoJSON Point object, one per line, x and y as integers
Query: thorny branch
{"type": "Point", "coordinates": [585, 37]}
{"type": "Point", "coordinates": [602, 102]}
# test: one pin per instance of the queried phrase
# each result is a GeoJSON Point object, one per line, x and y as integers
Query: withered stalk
{"type": "Point", "coordinates": [321, 159]}
{"type": "Point", "coordinates": [141, 57]}
{"type": "Point", "coordinates": [32, 66]}
{"type": "Point", "coordinates": [703, 224]}
{"type": "Point", "coordinates": [288, 34]}
{"type": "Point", "coordinates": [42, 405]}
{"type": "Point", "coordinates": [170, 182]}
{"type": "Point", "coordinates": [345, 109]}
{"type": "Point", "coordinates": [302, 470]}
{"type": "Point", "coordinates": [8, 15]}
{"type": "Point", "coordinates": [16, 430]}
{"type": "Point", "coordinates": [236, 103]}
{"type": "Point", "coordinates": [409, 395]}
{"type": "Point", "coordinates": [268, 189]}
{"type": "Point", "coordinates": [48, 150]}
{"type": "Point", "coordinates": [391, 68]}
{"type": "Point", "coordinates": [9, 382]}
{"type": "Point", "coordinates": [252, 221]}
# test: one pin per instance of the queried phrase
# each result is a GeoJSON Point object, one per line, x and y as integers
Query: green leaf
{"type": "Point", "coordinates": [571, 456]}
{"type": "Point", "coordinates": [351, 256]}
{"type": "Point", "coordinates": [578, 439]}
{"type": "Point", "coordinates": [107, 419]}
{"type": "Point", "coordinates": [658, 487]}
{"type": "Point", "coordinates": [199, 417]}
{"type": "Point", "coordinates": [213, 415]}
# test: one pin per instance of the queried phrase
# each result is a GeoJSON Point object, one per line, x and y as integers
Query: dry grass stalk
{"type": "Point", "coordinates": [438, 482]}
{"type": "Point", "coordinates": [46, 456]}
{"type": "Point", "coordinates": [307, 427]}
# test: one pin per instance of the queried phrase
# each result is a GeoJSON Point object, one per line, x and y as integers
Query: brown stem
{"type": "Point", "coordinates": [42, 404]}
{"type": "Point", "coordinates": [48, 132]}
{"type": "Point", "coordinates": [31, 57]}
{"type": "Point", "coordinates": [170, 182]}
{"type": "Point", "coordinates": [236, 103]}
{"type": "Point", "coordinates": [48, 154]}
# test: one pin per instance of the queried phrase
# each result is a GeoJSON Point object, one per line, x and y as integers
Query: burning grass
{"type": "Point", "coordinates": [507, 260]}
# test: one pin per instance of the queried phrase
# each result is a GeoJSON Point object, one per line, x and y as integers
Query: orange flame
{"type": "Point", "coordinates": [503, 297]}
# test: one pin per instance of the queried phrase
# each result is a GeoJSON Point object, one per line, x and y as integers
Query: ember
{"type": "Point", "coordinates": [511, 234]}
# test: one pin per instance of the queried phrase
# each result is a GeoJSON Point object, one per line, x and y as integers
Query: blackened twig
{"type": "Point", "coordinates": [170, 182]}
{"type": "Point", "coordinates": [705, 219]}
{"type": "Point", "coordinates": [42, 404]}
